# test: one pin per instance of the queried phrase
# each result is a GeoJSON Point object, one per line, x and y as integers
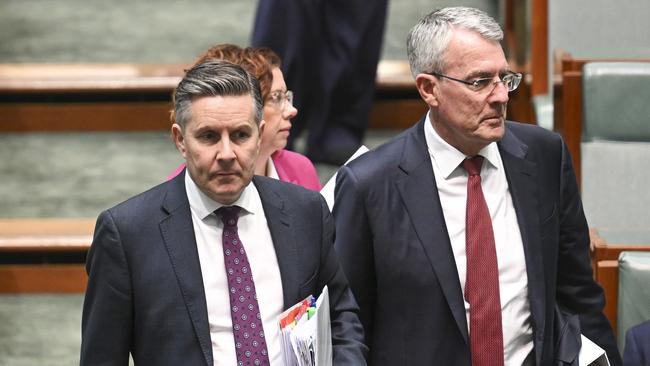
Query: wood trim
{"type": "Point", "coordinates": [539, 47]}
{"type": "Point", "coordinates": [608, 279]}
{"type": "Point", "coordinates": [396, 114]}
{"type": "Point", "coordinates": [83, 116]}
{"type": "Point", "coordinates": [89, 78]}
{"type": "Point", "coordinates": [45, 235]}
{"type": "Point", "coordinates": [125, 97]}
{"type": "Point", "coordinates": [59, 278]}
{"type": "Point", "coordinates": [572, 111]}
{"type": "Point", "coordinates": [137, 78]}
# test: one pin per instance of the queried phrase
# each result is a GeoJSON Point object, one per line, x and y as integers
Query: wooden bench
{"type": "Point", "coordinates": [44, 255]}
{"type": "Point", "coordinates": [130, 97]}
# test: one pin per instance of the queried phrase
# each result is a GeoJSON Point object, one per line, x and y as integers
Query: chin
{"type": "Point", "coordinates": [226, 198]}
{"type": "Point", "coordinates": [225, 193]}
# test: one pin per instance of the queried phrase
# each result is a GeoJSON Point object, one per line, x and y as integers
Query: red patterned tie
{"type": "Point", "coordinates": [482, 283]}
{"type": "Point", "coordinates": [250, 344]}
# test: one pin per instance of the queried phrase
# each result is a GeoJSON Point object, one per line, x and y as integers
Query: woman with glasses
{"type": "Point", "coordinates": [273, 160]}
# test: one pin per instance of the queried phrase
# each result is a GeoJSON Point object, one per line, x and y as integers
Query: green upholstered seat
{"type": "Point", "coordinates": [615, 150]}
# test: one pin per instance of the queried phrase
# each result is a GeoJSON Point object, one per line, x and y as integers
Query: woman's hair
{"type": "Point", "coordinates": [260, 62]}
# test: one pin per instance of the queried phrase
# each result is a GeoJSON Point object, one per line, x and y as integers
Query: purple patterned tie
{"type": "Point", "coordinates": [247, 329]}
{"type": "Point", "coordinates": [482, 283]}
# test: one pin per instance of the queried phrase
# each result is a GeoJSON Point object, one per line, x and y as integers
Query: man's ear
{"type": "Point", "coordinates": [427, 86]}
{"type": "Point", "coordinates": [179, 139]}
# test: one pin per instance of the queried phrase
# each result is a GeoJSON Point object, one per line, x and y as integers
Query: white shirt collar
{"type": "Point", "coordinates": [447, 157]}
{"type": "Point", "coordinates": [204, 206]}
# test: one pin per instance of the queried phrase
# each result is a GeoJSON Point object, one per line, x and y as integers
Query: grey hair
{"type": "Point", "coordinates": [215, 78]}
{"type": "Point", "coordinates": [428, 40]}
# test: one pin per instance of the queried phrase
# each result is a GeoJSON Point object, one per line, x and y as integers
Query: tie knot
{"type": "Point", "coordinates": [229, 215]}
{"type": "Point", "coordinates": [473, 165]}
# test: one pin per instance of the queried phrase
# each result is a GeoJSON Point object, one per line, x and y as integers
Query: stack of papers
{"type": "Point", "coordinates": [306, 332]}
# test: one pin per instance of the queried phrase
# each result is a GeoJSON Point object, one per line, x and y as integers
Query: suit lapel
{"type": "Point", "coordinates": [523, 185]}
{"type": "Point", "coordinates": [286, 249]}
{"type": "Point", "coordinates": [178, 235]}
{"type": "Point", "coordinates": [426, 215]}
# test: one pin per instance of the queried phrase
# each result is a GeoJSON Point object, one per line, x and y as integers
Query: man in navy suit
{"type": "Point", "coordinates": [170, 284]}
{"type": "Point", "coordinates": [400, 214]}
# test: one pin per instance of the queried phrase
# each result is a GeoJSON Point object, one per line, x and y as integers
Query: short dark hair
{"type": "Point", "coordinates": [215, 78]}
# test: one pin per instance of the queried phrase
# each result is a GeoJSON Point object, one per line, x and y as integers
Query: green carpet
{"type": "Point", "coordinates": [40, 330]}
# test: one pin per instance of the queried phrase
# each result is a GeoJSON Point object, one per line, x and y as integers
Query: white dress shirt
{"type": "Point", "coordinates": [256, 238]}
{"type": "Point", "coordinates": [451, 181]}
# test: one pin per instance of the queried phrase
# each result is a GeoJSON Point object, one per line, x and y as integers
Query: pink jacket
{"type": "Point", "coordinates": [291, 166]}
{"type": "Point", "coordinates": [296, 168]}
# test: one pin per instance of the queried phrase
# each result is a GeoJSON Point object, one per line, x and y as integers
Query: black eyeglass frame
{"type": "Point", "coordinates": [475, 84]}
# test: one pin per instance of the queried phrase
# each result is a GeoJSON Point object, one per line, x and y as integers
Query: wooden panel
{"type": "Point", "coordinates": [124, 97]}
{"type": "Point", "coordinates": [46, 235]}
{"type": "Point", "coordinates": [120, 116]}
{"type": "Point", "coordinates": [520, 107]}
{"type": "Point", "coordinates": [608, 279]}
{"type": "Point", "coordinates": [69, 78]}
{"type": "Point", "coordinates": [397, 114]}
{"type": "Point", "coordinates": [47, 226]}
{"type": "Point", "coordinates": [60, 278]}
{"type": "Point", "coordinates": [539, 47]}
{"type": "Point", "coordinates": [572, 111]}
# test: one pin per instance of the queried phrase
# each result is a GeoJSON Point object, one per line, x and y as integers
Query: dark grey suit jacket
{"type": "Point", "coordinates": [394, 247]}
{"type": "Point", "coordinates": [145, 291]}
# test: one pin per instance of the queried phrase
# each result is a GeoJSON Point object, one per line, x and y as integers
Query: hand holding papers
{"type": "Point", "coordinates": [306, 332]}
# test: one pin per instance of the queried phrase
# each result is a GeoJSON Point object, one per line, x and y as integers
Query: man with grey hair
{"type": "Point", "coordinates": [463, 238]}
{"type": "Point", "coordinates": [197, 270]}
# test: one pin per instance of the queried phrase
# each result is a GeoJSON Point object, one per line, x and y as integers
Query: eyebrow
{"type": "Point", "coordinates": [481, 74]}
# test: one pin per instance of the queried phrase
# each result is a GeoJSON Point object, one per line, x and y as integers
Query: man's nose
{"type": "Point", "coordinates": [226, 151]}
{"type": "Point", "coordinates": [499, 93]}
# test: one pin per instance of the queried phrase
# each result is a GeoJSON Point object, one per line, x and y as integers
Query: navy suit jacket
{"type": "Point", "coordinates": [394, 247]}
{"type": "Point", "coordinates": [145, 291]}
{"type": "Point", "coordinates": [637, 345]}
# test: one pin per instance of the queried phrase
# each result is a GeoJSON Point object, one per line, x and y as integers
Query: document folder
{"type": "Point", "coordinates": [306, 332]}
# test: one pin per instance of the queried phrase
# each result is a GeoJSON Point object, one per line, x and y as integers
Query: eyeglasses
{"type": "Point", "coordinates": [278, 98]}
{"type": "Point", "coordinates": [510, 80]}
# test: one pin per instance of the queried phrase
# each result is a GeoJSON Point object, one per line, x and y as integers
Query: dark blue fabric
{"type": "Point", "coordinates": [394, 246]}
{"type": "Point", "coordinates": [637, 345]}
{"type": "Point", "coordinates": [330, 50]}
